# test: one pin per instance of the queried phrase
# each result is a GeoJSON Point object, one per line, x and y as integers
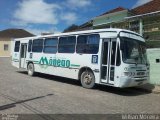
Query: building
{"type": "Point", "coordinates": [112, 19]}
{"type": "Point", "coordinates": [145, 20]}
{"type": "Point", "coordinates": [6, 40]}
{"type": "Point", "coordinates": [153, 55]}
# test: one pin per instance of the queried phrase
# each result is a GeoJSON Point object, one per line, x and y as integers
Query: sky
{"type": "Point", "coordinates": [37, 16]}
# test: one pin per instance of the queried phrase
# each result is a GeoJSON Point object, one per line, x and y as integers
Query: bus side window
{"type": "Point", "coordinates": [67, 44]}
{"type": "Point", "coordinates": [30, 46]}
{"type": "Point", "coordinates": [118, 60]}
{"type": "Point", "coordinates": [17, 45]}
{"type": "Point", "coordinates": [37, 45]}
{"type": "Point", "coordinates": [113, 52]}
{"type": "Point", "coordinates": [50, 45]}
{"type": "Point", "coordinates": [88, 44]}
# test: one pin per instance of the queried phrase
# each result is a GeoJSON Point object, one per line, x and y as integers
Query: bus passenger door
{"type": "Point", "coordinates": [108, 60]}
{"type": "Point", "coordinates": [23, 55]}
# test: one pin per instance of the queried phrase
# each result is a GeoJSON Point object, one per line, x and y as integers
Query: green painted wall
{"type": "Point", "coordinates": [154, 54]}
{"type": "Point", "coordinates": [109, 18]}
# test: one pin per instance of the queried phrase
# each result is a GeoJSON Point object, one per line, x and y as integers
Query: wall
{"type": "Point", "coordinates": [153, 55]}
{"type": "Point", "coordinates": [2, 52]}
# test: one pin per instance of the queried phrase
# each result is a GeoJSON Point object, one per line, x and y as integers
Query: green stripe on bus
{"type": "Point", "coordinates": [37, 62]}
{"type": "Point", "coordinates": [15, 60]}
{"type": "Point", "coordinates": [73, 65]}
{"type": "Point", "coordinates": [33, 61]}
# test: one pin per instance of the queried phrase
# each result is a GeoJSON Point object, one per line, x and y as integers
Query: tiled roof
{"type": "Point", "coordinates": [15, 33]}
{"type": "Point", "coordinates": [152, 6]}
{"type": "Point", "coordinates": [114, 10]}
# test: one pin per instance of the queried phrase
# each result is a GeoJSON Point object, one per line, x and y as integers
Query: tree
{"type": "Point", "coordinates": [73, 27]}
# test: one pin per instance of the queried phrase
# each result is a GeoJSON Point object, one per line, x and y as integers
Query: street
{"type": "Point", "coordinates": [46, 94]}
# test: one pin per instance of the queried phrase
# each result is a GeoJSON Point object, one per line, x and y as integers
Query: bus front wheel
{"type": "Point", "coordinates": [31, 69]}
{"type": "Point", "coordinates": [88, 79]}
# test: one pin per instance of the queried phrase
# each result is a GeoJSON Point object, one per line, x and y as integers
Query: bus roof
{"type": "Point", "coordinates": [117, 31]}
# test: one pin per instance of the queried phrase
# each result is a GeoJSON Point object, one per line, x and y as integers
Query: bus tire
{"type": "Point", "coordinates": [30, 69]}
{"type": "Point", "coordinates": [87, 79]}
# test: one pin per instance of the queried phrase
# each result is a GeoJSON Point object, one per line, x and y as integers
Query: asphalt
{"type": "Point", "coordinates": [46, 94]}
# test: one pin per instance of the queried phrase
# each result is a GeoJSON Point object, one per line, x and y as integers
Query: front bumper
{"type": "Point", "coordinates": [131, 82]}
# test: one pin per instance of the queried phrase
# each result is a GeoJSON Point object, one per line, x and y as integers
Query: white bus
{"type": "Point", "coordinates": [113, 57]}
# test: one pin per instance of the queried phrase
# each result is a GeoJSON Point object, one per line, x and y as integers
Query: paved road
{"type": "Point", "coordinates": [20, 93]}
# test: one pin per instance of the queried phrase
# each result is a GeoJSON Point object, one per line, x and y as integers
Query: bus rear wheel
{"type": "Point", "coordinates": [30, 69]}
{"type": "Point", "coordinates": [88, 79]}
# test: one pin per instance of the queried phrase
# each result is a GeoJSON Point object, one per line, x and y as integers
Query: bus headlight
{"type": "Point", "coordinates": [129, 74]}
{"type": "Point", "coordinates": [126, 68]}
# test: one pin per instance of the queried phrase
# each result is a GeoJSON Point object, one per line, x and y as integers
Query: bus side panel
{"type": "Point", "coordinates": [71, 65]}
{"type": "Point", "coordinates": [77, 61]}
{"type": "Point", "coordinates": [43, 63]}
{"type": "Point", "coordinates": [15, 60]}
{"type": "Point", "coordinates": [86, 60]}
{"type": "Point", "coordinates": [67, 65]}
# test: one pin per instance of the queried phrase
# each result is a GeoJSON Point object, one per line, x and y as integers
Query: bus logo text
{"type": "Point", "coordinates": [54, 62]}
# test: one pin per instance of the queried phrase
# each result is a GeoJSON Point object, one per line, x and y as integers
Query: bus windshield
{"type": "Point", "coordinates": [133, 51]}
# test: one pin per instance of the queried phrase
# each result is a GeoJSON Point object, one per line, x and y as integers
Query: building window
{"type": "Point", "coordinates": [134, 26]}
{"type": "Point", "coordinates": [157, 60]}
{"type": "Point", "coordinates": [6, 46]}
{"type": "Point", "coordinates": [67, 44]}
{"type": "Point", "coordinates": [88, 44]}
{"type": "Point", "coordinates": [50, 45]}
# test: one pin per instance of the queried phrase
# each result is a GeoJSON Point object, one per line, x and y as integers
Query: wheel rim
{"type": "Point", "coordinates": [88, 79]}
